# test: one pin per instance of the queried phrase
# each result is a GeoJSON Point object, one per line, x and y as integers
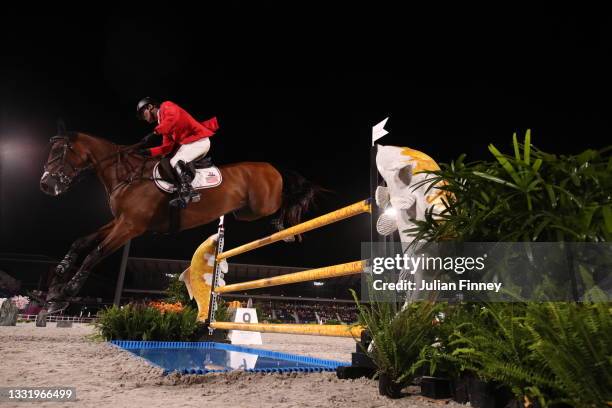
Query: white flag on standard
{"type": "Point", "coordinates": [378, 130]}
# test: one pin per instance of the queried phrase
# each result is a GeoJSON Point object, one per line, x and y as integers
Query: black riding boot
{"type": "Point", "coordinates": [185, 192]}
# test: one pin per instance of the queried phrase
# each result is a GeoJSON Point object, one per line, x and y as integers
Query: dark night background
{"type": "Point", "coordinates": [300, 92]}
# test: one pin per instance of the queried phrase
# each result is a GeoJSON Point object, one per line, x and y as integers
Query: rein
{"type": "Point", "coordinates": [80, 172]}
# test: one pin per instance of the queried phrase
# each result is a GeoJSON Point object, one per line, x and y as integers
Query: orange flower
{"type": "Point", "coordinates": [234, 304]}
{"type": "Point", "coordinates": [167, 307]}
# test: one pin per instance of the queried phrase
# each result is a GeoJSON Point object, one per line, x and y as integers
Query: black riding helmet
{"type": "Point", "coordinates": [143, 103]}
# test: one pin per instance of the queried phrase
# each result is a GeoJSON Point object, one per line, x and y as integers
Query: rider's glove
{"type": "Point", "coordinates": [148, 138]}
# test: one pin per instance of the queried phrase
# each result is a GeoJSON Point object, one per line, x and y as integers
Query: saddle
{"type": "Point", "coordinates": [167, 173]}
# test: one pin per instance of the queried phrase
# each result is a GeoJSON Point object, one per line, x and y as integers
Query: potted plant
{"type": "Point", "coordinates": [397, 339]}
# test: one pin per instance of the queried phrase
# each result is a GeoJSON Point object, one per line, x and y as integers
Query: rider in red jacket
{"type": "Point", "coordinates": [181, 132]}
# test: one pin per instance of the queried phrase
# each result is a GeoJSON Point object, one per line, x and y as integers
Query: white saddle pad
{"type": "Point", "coordinates": [205, 178]}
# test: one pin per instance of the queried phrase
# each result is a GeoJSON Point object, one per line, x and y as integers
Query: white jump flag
{"type": "Point", "coordinates": [379, 131]}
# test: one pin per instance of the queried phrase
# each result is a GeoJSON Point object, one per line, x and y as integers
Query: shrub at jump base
{"type": "Point", "coordinates": [177, 292]}
{"type": "Point", "coordinates": [548, 353]}
{"type": "Point", "coordinates": [545, 354]}
{"type": "Point", "coordinates": [149, 323]}
{"type": "Point", "coordinates": [574, 342]}
{"type": "Point", "coordinates": [397, 337]}
{"type": "Point", "coordinates": [529, 196]}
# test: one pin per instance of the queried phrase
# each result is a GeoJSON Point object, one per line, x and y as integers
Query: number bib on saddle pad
{"type": "Point", "coordinates": [205, 178]}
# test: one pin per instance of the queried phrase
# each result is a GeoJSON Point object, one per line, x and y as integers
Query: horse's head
{"type": "Point", "coordinates": [68, 160]}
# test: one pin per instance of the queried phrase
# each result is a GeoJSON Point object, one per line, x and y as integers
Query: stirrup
{"type": "Point", "coordinates": [187, 191]}
{"type": "Point", "coordinates": [194, 196]}
{"type": "Point", "coordinates": [179, 202]}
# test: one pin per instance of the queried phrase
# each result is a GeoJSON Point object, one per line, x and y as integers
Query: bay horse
{"type": "Point", "coordinates": [249, 190]}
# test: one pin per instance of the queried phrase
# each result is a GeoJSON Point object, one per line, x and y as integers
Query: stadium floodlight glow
{"type": "Point", "coordinates": [11, 150]}
{"type": "Point", "coordinates": [316, 283]}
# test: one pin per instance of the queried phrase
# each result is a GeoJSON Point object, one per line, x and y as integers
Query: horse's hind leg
{"type": "Point", "coordinates": [258, 207]}
{"type": "Point", "coordinates": [266, 192]}
{"type": "Point", "coordinates": [265, 199]}
{"type": "Point", "coordinates": [246, 214]}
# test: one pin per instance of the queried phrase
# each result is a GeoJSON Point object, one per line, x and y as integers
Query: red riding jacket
{"type": "Point", "coordinates": [179, 127]}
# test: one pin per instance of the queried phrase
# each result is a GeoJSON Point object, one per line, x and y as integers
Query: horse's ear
{"type": "Point", "coordinates": [61, 127]}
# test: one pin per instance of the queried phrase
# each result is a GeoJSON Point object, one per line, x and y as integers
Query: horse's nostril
{"type": "Point", "coordinates": [48, 184]}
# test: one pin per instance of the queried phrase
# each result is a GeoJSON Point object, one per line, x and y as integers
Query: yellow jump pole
{"type": "Point", "coordinates": [308, 329]}
{"type": "Point", "coordinates": [334, 271]}
{"type": "Point", "coordinates": [341, 214]}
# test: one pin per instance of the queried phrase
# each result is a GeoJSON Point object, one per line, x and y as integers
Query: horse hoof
{"type": "Point", "coordinates": [56, 307]}
{"type": "Point", "coordinates": [65, 265]}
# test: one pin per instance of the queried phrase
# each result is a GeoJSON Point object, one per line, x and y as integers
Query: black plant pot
{"type": "Point", "coordinates": [388, 387]}
{"type": "Point", "coordinates": [482, 394]}
{"type": "Point", "coordinates": [460, 387]}
{"type": "Point", "coordinates": [435, 387]}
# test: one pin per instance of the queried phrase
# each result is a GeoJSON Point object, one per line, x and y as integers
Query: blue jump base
{"type": "Point", "coordinates": [208, 357]}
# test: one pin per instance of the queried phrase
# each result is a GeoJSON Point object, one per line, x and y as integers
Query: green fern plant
{"type": "Point", "coordinates": [398, 335]}
{"type": "Point", "coordinates": [493, 343]}
{"type": "Point", "coordinates": [574, 342]}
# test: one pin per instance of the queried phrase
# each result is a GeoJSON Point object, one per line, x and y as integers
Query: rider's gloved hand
{"type": "Point", "coordinates": [144, 152]}
{"type": "Point", "coordinates": [148, 138]}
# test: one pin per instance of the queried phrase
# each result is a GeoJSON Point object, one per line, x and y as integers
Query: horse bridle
{"type": "Point", "coordinates": [77, 172]}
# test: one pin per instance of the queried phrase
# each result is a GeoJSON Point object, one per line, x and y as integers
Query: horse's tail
{"type": "Point", "coordinates": [298, 197]}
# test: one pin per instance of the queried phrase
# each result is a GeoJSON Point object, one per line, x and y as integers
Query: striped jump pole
{"type": "Point", "coordinates": [329, 218]}
{"type": "Point", "coordinates": [337, 330]}
{"type": "Point", "coordinates": [334, 271]}
{"type": "Point", "coordinates": [199, 287]}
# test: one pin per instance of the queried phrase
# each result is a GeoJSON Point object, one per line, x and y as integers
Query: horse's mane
{"type": "Point", "coordinates": [72, 135]}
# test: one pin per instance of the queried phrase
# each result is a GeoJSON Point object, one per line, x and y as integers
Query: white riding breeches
{"type": "Point", "coordinates": [190, 151]}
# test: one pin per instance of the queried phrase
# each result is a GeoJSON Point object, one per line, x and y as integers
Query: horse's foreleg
{"type": "Point", "coordinates": [120, 234]}
{"type": "Point", "coordinates": [79, 246]}
{"type": "Point", "coordinates": [62, 271]}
